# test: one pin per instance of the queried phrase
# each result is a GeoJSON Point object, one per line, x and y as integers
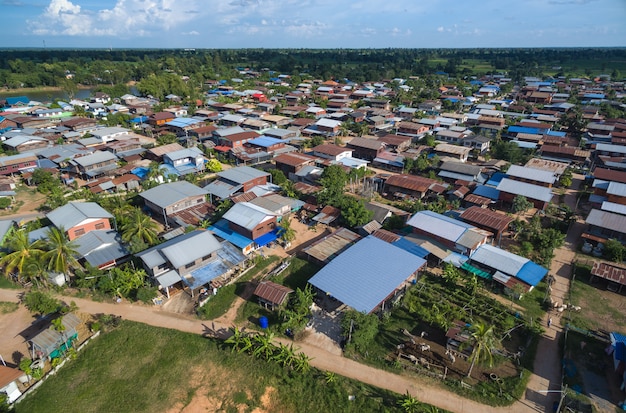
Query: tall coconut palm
{"type": "Point", "coordinates": [36, 271]}
{"type": "Point", "coordinates": [20, 250]}
{"type": "Point", "coordinates": [483, 340]}
{"type": "Point", "coordinates": [139, 227]}
{"type": "Point", "coordinates": [61, 252]}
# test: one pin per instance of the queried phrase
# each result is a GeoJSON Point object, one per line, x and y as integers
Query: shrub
{"type": "Point", "coordinates": [40, 302]}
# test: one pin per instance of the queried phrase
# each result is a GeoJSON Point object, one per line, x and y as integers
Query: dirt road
{"type": "Point", "coordinates": [321, 358]}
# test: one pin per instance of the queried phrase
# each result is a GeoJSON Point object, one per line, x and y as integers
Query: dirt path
{"type": "Point", "coordinates": [321, 358]}
{"type": "Point", "coordinates": [547, 366]}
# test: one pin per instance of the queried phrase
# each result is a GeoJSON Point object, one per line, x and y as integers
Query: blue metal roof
{"type": "Point", "coordinates": [182, 122]}
{"type": "Point", "coordinates": [532, 273]}
{"type": "Point", "coordinates": [366, 273]}
{"type": "Point", "coordinates": [265, 141]}
{"type": "Point", "coordinates": [487, 192]}
{"type": "Point", "coordinates": [221, 229]}
{"type": "Point", "coordinates": [556, 133]}
{"type": "Point", "coordinates": [524, 129]}
{"type": "Point", "coordinates": [265, 239]}
{"type": "Point", "coordinates": [17, 99]}
{"type": "Point", "coordinates": [496, 178]}
{"type": "Point", "coordinates": [411, 247]}
{"type": "Point", "coordinates": [140, 119]}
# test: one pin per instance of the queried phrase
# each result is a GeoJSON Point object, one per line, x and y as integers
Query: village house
{"type": "Point", "coordinates": [169, 199]}
{"type": "Point", "coordinates": [253, 222]}
{"type": "Point", "coordinates": [160, 118]}
{"type": "Point", "coordinates": [403, 185]}
{"type": "Point", "coordinates": [25, 143]}
{"type": "Point", "coordinates": [366, 148]}
{"type": "Point", "coordinates": [190, 260]}
{"type": "Point", "coordinates": [452, 151]}
{"type": "Point", "coordinates": [236, 180]}
{"type": "Point", "coordinates": [412, 129]}
{"type": "Point", "coordinates": [80, 218]}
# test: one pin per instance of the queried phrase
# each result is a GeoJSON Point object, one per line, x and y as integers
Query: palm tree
{"type": "Point", "coordinates": [155, 170]}
{"type": "Point", "coordinates": [61, 252]}
{"type": "Point", "coordinates": [483, 340]}
{"type": "Point", "coordinates": [140, 227]}
{"type": "Point", "coordinates": [236, 340]}
{"type": "Point", "coordinates": [287, 234]}
{"type": "Point", "coordinates": [36, 271]}
{"type": "Point", "coordinates": [20, 250]}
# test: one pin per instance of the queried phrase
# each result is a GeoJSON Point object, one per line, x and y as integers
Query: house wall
{"type": "Point", "coordinates": [79, 230]}
{"type": "Point", "coordinates": [261, 229]}
{"type": "Point", "coordinates": [508, 198]}
{"type": "Point", "coordinates": [15, 168]}
{"type": "Point", "coordinates": [391, 189]}
{"type": "Point", "coordinates": [186, 269]}
{"type": "Point", "coordinates": [254, 182]}
{"type": "Point", "coordinates": [365, 153]}
{"type": "Point", "coordinates": [184, 204]}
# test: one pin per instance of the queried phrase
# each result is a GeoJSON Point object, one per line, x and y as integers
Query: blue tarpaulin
{"type": "Point", "coordinates": [265, 239]}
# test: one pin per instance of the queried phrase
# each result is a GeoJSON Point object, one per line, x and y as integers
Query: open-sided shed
{"type": "Point", "coordinates": [52, 343]}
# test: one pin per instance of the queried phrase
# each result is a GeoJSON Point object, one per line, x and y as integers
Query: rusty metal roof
{"type": "Point", "coordinates": [271, 292]}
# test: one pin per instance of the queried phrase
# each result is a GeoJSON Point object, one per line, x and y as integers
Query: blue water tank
{"type": "Point", "coordinates": [263, 322]}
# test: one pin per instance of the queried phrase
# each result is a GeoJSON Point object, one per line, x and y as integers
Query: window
{"type": "Point", "coordinates": [79, 232]}
{"type": "Point", "coordinates": [191, 264]}
{"type": "Point", "coordinates": [100, 225]}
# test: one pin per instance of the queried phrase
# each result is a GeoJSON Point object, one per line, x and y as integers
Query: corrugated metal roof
{"type": "Point", "coordinates": [168, 279]}
{"type": "Point", "coordinates": [461, 168]}
{"type": "Point", "coordinates": [242, 174]}
{"type": "Point", "coordinates": [100, 247]}
{"type": "Point", "coordinates": [247, 215]}
{"type": "Point", "coordinates": [330, 246]}
{"type": "Point", "coordinates": [612, 207]}
{"type": "Point", "coordinates": [438, 225]}
{"type": "Point", "coordinates": [73, 213]}
{"type": "Point", "coordinates": [170, 193]}
{"type": "Point", "coordinates": [499, 259]}
{"type": "Point", "coordinates": [366, 273]}
{"type": "Point", "coordinates": [272, 292]}
{"type": "Point", "coordinates": [531, 191]}
{"type": "Point", "coordinates": [608, 220]}
{"type": "Point", "coordinates": [532, 273]}
{"type": "Point", "coordinates": [533, 174]}
{"type": "Point", "coordinates": [200, 244]}
{"type": "Point", "coordinates": [616, 188]}
{"type": "Point", "coordinates": [486, 218]}
{"type": "Point", "coordinates": [221, 229]}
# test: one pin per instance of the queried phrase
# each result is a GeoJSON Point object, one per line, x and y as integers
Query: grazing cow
{"type": "Point", "coordinates": [450, 356]}
{"type": "Point", "coordinates": [424, 347]}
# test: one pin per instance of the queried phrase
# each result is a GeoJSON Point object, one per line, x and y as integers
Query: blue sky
{"type": "Point", "coordinates": [312, 23]}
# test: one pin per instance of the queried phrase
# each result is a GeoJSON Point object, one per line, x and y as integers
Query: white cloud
{"type": "Point", "coordinates": [191, 33]}
{"type": "Point", "coordinates": [440, 29]}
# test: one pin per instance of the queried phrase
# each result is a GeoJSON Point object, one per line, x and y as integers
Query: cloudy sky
{"type": "Point", "coordinates": [312, 23]}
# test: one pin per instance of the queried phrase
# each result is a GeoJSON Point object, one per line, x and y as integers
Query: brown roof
{"type": "Point", "coordinates": [294, 159]}
{"type": "Point", "coordinates": [162, 150]}
{"type": "Point", "coordinates": [205, 129]}
{"type": "Point", "coordinates": [477, 199]}
{"type": "Point", "coordinates": [386, 236]}
{"type": "Point", "coordinates": [566, 150]}
{"type": "Point", "coordinates": [8, 375]}
{"type": "Point", "coordinates": [125, 178]}
{"type": "Point", "coordinates": [330, 149]}
{"type": "Point", "coordinates": [303, 122]}
{"type": "Point", "coordinates": [272, 292]}
{"type": "Point", "coordinates": [486, 218]}
{"type": "Point", "coordinates": [412, 182]}
{"type": "Point", "coordinates": [366, 143]}
{"type": "Point", "coordinates": [245, 197]}
{"type": "Point", "coordinates": [242, 136]}
{"type": "Point", "coordinates": [162, 116]}
{"type": "Point", "coordinates": [609, 175]}
{"type": "Point", "coordinates": [394, 140]}
{"type": "Point", "coordinates": [305, 188]}
{"type": "Point", "coordinates": [610, 272]}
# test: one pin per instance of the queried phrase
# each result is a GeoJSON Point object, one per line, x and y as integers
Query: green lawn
{"type": "Point", "coordinates": [138, 368]}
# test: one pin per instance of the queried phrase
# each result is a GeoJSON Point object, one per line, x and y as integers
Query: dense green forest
{"type": "Point", "coordinates": [48, 67]}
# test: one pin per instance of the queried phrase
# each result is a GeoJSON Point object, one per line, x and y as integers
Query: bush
{"type": "Point", "coordinates": [40, 302]}
{"type": "Point", "coordinates": [146, 294]}
{"type": "Point", "coordinates": [5, 202]}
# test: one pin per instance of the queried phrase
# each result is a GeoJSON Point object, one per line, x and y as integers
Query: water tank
{"type": "Point", "coordinates": [263, 322]}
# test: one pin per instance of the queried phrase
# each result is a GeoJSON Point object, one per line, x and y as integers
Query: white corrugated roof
{"type": "Point", "coordinates": [531, 191]}
{"type": "Point", "coordinates": [499, 259]}
{"type": "Point", "coordinates": [533, 174]}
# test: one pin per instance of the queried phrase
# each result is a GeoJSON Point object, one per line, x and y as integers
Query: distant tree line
{"type": "Point", "coordinates": [50, 67]}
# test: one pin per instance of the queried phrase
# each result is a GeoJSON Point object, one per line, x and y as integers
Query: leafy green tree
{"type": "Point", "coordinates": [361, 328]}
{"type": "Point", "coordinates": [333, 181]}
{"type": "Point", "coordinates": [394, 222]}
{"type": "Point", "coordinates": [507, 151]}
{"type": "Point", "coordinates": [213, 165]}
{"type": "Point", "coordinates": [483, 342]}
{"type": "Point", "coordinates": [353, 211]}
{"type": "Point", "coordinates": [122, 282]}
{"type": "Point", "coordinates": [565, 180]}
{"type": "Point", "coordinates": [61, 252]}
{"type": "Point", "coordinates": [20, 250]}
{"type": "Point", "coordinates": [614, 250]}
{"type": "Point", "coordinates": [451, 274]}
{"type": "Point", "coordinates": [521, 204]}
{"type": "Point", "coordinates": [40, 302]}
{"type": "Point", "coordinates": [139, 229]}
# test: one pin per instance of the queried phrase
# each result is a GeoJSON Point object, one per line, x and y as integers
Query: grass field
{"type": "Point", "coordinates": [138, 368]}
